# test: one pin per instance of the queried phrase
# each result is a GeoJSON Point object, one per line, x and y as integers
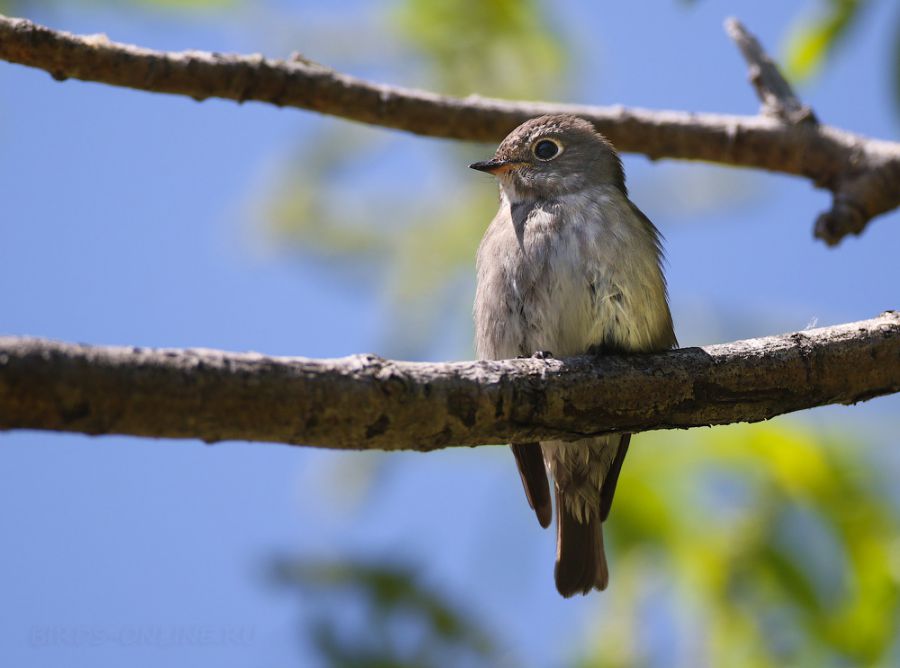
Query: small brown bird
{"type": "Point", "coordinates": [569, 265]}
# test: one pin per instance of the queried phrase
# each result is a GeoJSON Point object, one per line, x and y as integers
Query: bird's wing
{"type": "Point", "coordinates": [608, 488]}
{"type": "Point", "coordinates": [534, 479]}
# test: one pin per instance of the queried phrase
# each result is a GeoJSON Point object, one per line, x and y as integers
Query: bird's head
{"type": "Point", "coordinates": [551, 156]}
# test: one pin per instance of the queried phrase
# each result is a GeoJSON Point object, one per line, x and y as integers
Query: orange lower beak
{"type": "Point", "coordinates": [494, 166]}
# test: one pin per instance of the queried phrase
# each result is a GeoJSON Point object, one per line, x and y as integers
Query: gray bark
{"type": "Point", "coordinates": [365, 402]}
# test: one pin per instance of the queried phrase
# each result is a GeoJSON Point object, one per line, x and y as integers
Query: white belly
{"type": "Point", "coordinates": [566, 284]}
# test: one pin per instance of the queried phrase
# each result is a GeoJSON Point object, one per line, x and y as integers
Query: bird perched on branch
{"type": "Point", "coordinates": [568, 266]}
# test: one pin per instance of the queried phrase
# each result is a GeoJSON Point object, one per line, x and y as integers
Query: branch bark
{"type": "Point", "coordinates": [365, 402]}
{"type": "Point", "coordinates": [777, 97]}
{"type": "Point", "coordinates": [862, 173]}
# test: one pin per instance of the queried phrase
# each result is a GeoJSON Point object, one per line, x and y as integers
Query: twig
{"type": "Point", "coordinates": [365, 402]}
{"type": "Point", "coordinates": [860, 171]}
{"type": "Point", "coordinates": [775, 93]}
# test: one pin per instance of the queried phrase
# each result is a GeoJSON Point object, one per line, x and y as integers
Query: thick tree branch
{"type": "Point", "coordinates": [365, 402]}
{"type": "Point", "coordinates": [863, 173]}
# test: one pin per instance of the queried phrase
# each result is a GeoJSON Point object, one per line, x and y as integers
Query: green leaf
{"type": "Point", "coordinates": [497, 48]}
{"type": "Point", "coordinates": [813, 39]}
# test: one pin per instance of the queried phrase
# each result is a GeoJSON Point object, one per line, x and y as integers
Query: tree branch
{"type": "Point", "coordinates": [854, 189]}
{"type": "Point", "coordinates": [862, 173]}
{"type": "Point", "coordinates": [775, 93]}
{"type": "Point", "coordinates": [365, 402]}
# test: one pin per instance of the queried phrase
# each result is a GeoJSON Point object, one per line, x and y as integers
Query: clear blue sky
{"type": "Point", "coordinates": [129, 218]}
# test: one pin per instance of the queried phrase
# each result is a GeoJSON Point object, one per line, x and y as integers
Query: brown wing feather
{"type": "Point", "coordinates": [530, 461]}
{"type": "Point", "coordinates": [608, 490]}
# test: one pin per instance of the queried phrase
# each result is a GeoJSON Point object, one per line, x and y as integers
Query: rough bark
{"type": "Point", "coordinates": [365, 402]}
{"type": "Point", "coordinates": [862, 173]}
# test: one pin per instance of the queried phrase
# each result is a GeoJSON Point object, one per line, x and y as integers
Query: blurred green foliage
{"type": "Point", "coordinates": [500, 47]}
{"type": "Point", "coordinates": [402, 621]}
{"type": "Point", "coordinates": [767, 545]}
{"type": "Point", "coordinates": [815, 37]}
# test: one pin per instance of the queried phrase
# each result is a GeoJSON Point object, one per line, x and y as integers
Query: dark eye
{"type": "Point", "coordinates": [546, 149]}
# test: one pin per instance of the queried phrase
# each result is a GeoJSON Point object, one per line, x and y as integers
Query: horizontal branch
{"type": "Point", "coordinates": [365, 402]}
{"type": "Point", "coordinates": [863, 173]}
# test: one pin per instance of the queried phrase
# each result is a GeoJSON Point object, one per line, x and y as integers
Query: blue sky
{"type": "Point", "coordinates": [129, 218]}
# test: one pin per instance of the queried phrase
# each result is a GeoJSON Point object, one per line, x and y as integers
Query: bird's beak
{"type": "Point", "coordinates": [495, 166]}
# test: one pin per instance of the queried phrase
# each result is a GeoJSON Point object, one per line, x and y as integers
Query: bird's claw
{"type": "Point", "coordinates": [536, 355]}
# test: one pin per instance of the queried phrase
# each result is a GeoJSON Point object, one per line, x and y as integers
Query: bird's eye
{"type": "Point", "coordinates": [546, 149]}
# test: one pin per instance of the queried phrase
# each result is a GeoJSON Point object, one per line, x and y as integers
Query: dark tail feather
{"type": "Point", "coordinates": [580, 559]}
{"type": "Point", "coordinates": [534, 479]}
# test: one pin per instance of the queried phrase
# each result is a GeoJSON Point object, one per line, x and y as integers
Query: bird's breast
{"type": "Point", "coordinates": [535, 283]}
{"type": "Point", "coordinates": [565, 275]}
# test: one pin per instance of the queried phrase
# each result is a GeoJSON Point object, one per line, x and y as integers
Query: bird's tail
{"type": "Point", "coordinates": [580, 559]}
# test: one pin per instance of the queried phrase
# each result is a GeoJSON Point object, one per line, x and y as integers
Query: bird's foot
{"type": "Point", "coordinates": [536, 355]}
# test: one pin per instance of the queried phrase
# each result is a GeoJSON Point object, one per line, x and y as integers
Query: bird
{"type": "Point", "coordinates": [568, 266]}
